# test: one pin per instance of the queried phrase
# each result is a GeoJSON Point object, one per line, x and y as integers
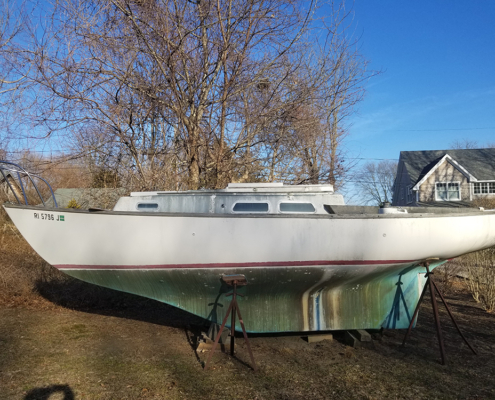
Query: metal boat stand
{"type": "Point", "coordinates": [234, 281]}
{"type": "Point", "coordinates": [433, 287]}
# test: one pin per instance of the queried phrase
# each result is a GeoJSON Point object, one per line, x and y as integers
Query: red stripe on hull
{"type": "Point", "coordinates": [239, 265]}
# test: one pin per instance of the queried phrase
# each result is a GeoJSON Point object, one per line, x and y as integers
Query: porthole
{"type": "Point", "coordinates": [297, 208]}
{"type": "Point", "coordinates": [147, 206]}
{"type": "Point", "coordinates": [250, 207]}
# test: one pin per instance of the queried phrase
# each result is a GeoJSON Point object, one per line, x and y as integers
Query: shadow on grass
{"type": "Point", "coordinates": [46, 392]}
{"type": "Point", "coordinates": [81, 296]}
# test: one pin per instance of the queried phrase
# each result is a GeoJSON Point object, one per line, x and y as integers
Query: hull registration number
{"type": "Point", "coordinates": [49, 217]}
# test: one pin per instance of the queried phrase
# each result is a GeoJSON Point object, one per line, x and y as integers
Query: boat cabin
{"type": "Point", "coordinates": [237, 198]}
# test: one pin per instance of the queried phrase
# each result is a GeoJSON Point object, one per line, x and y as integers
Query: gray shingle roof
{"type": "Point", "coordinates": [478, 162]}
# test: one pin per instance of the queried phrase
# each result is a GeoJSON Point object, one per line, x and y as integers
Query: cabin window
{"type": "Point", "coordinates": [297, 208]}
{"type": "Point", "coordinates": [484, 187]}
{"type": "Point", "coordinates": [147, 206]}
{"type": "Point", "coordinates": [250, 207]}
{"type": "Point", "coordinates": [448, 191]}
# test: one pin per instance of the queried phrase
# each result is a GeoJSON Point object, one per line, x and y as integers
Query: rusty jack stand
{"type": "Point", "coordinates": [234, 281]}
{"type": "Point", "coordinates": [432, 285]}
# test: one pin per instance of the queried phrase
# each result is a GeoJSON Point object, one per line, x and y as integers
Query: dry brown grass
{"type": "Point", "coordinates": [21, 269]}
{"type": "Point", "coordinates": [26, 279]}
{"type": "Point", "coordinates": [148, 353]}
{"type": "Point", "coordinates": [18, 265]}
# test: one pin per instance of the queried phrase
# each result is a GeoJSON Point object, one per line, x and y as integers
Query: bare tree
{"type": "Point", "coordinates": [465, 144]}
{"type": "Point", "coordinates": [343, 72]}
{"type": "Point", "coordinates": [302, 124]}
{"type": "Point", "coordinates": [470, 144]}
{"type": "Point", "coordinates": [188, 94]}
{"type": "Point", "coordinates": [375, 181]}
{"type": "Point", "coordinates": [158, 77]}
{"type": "Point", "coordinates": [12, 19]}
{"type": "Point", "coordinates": [13, 73]}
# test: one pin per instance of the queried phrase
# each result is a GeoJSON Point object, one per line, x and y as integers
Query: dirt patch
{"type": "Point", "coordinates": [148, 352]}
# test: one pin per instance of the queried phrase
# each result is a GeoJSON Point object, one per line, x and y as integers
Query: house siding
{"type": "Point", "coordinates": [402, 181]}
{"type": "Point", "coordinates": [445, 173]}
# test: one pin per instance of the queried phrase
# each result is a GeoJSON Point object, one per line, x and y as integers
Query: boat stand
{"type": "Point", "coordinates": [433, 287]}
{"type": "Point", "coordinates": [234, 281]}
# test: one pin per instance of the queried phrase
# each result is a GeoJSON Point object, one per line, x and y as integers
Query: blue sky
{"type": "Point", "coordinates": [438, 75]}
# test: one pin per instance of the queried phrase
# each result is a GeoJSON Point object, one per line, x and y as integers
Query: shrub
{"type": "Point", "coordinates": [447, 275]}
{"type": "Point", "coordinates": [487, 203]}
{"type": "Point", "coordinates": [73, 204]}
{"type": "Point", "coordinates": [479, 268]}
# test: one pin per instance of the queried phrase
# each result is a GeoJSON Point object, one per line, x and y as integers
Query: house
{"type": "Point", "coordinates": [444, 177]}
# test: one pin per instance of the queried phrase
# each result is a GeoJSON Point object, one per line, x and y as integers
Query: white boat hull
{"type": "Point", "coordinates": [305, 272]}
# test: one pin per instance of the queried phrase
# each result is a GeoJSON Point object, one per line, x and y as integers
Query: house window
{"type": "Point", "coordinates": [447, 191]}
{"type": "Point", "coordinates": [484, 187]}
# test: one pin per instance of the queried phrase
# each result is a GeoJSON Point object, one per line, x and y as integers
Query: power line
{"type": "Point", "coordinates": [442, 130]}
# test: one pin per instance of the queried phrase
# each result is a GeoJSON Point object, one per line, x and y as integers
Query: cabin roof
{"type": "Point", "coordinates": [267, 188]}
